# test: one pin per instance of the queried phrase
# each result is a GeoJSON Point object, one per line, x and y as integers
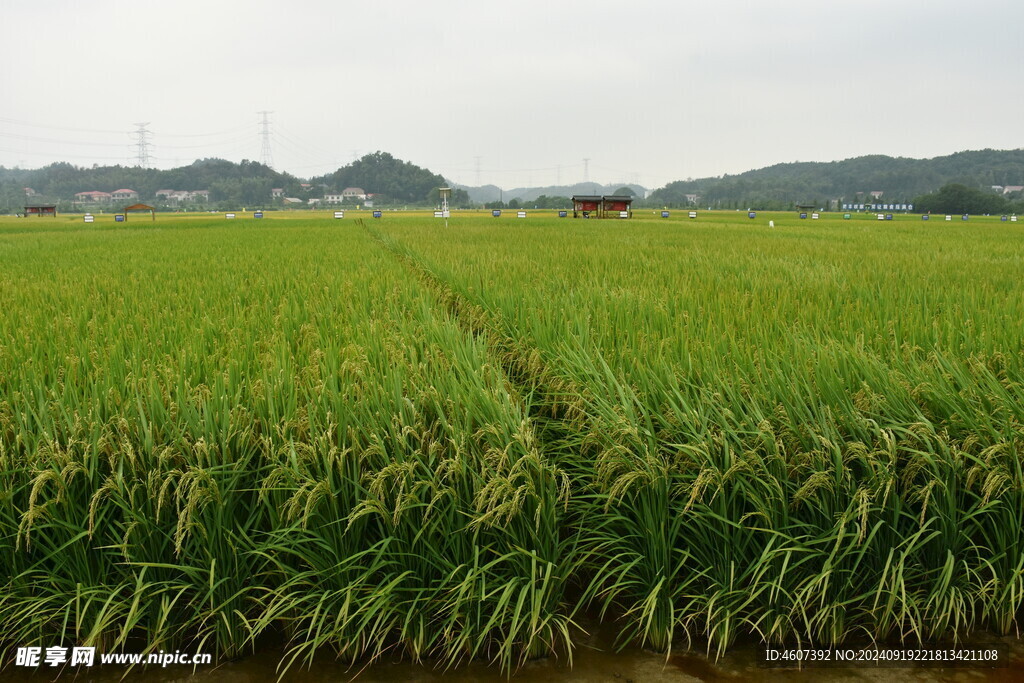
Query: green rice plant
{"type": "Point", "coordinates": [373, 439]}
{"type": "Point", "coordinates": [203, 449]}
{"type": "Point", "coordinates": [773, 433]}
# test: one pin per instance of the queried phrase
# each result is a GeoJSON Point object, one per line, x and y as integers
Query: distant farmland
{"type": "Point", "coordinates": [355, 436]}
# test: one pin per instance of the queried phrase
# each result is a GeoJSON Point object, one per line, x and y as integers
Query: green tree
{"type": "Point", "coordinates": [390, 180]}
{"type": "Point", "coordinates": [958, 198]}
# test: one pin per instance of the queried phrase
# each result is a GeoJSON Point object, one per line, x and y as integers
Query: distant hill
{"type": "Point", "coordinates": [492, 193]}
{"type": "Point", "coordinates": [229, 184]}
{"type": "Point", "coordinates": [899, 180]}
{"type": "Point", "coordinates": [390, 180]}
{"type": "Point", "coordinates": [226, 184]}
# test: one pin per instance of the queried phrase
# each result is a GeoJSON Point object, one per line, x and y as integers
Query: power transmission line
{"type": "Point", "coordinates": [142, 144]}
{"type": "Point", "coordinates": [266, 156]}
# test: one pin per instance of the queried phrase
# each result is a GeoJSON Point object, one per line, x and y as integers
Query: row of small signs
{"type": "Point", "coordinates": [376, 214]}
{"type": "Point", "coordinates": [89, 218]}
{"type": "Point", "coordinates": [878, 207]}
{"type": "Point", "coordinates": [967, 216]}
{"type": "Point", "coordinates": [561, 214]}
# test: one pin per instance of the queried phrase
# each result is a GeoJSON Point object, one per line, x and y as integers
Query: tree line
{"type": "Point", "coordinates": [830, 184]}
{"type": "Point", "coordinates": [958, 183]}
{"type": "Point", "coordinates": [230, 185]}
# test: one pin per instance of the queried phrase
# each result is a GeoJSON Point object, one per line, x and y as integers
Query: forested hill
{"type": "Point", "coordinates": [390, 180]}
{"type": "Point", "coordinates": [899, 179]}
{"type": "Point", "coordinates": [246, 183]}
{"type": "Point", "coordinates": [229, 185]}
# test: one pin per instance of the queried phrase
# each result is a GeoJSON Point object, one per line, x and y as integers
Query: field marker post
{"type": "Point", "coordinates": [446, 193]}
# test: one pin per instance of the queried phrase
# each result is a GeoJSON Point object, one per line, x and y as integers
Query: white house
{"type": "Point", "coordinates": [177, 196]}
{"type": "Point", "coordinates": [93, 197]}
{"type": "Point", "coordinates": [124, 195]}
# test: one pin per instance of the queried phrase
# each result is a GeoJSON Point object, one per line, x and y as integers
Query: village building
{"type": "Point", "coordinates": [93, 197]}
{"type": "Point", "coordinates": [124, 195]}
{"type": "Point", "coordinates": [183, 196]}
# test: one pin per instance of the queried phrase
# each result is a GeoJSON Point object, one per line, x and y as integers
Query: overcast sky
{"type": "Point", "coordinates": [512, 93]}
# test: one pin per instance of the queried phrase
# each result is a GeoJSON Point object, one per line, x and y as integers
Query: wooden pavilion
{"type": "Point", "coordinates": [140, 207]}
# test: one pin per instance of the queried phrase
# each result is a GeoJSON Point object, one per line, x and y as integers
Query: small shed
{"type": "Point", "coordinates": [41, 210]}
{"type": "Point", "coordinates": [140, 207]}
{"type": "Point", "coordinates": [606, 206]}
{"type": "Point", "coordinates": [616, 204]}
{"type": "Point", "coordinates": [586, 205]}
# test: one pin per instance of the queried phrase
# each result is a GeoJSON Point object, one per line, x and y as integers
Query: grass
{"type": "Point", "coordinates": [366, 436]}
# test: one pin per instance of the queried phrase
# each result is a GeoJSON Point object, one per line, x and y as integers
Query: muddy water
{"type": "Point", "coordinates": [593, 660]}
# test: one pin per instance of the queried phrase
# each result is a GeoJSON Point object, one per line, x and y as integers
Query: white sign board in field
{"type": "Point", "coordinates": [814, 216]}
{"type": "Point", "coordinates": [229, 215]}
{"type": "Point", "coordinates": [623, 214]}
{"type": "Point", "coordinates": [88, 218]}
{"type": "Point", "coordinates": [522, 214]}
{"type": "Point", "coordinates": [339, 214]}
{"type": "Point", "coordinates": [439, 214]}
{"type": "Point", "coordinates": [693, 214]}
{"type": "Point", "coordinates": [1013, 219]}
{"type": "Point", "coordinates": [949, 218]}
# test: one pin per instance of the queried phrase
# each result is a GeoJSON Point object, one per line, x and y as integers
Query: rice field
{"type": "Point", "coordinates": [346, 438]}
